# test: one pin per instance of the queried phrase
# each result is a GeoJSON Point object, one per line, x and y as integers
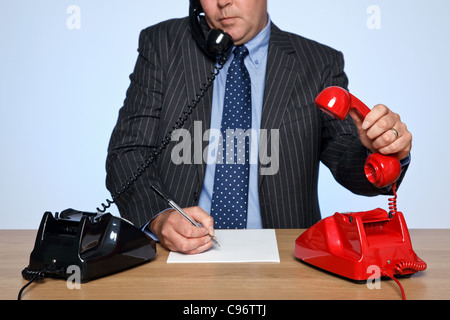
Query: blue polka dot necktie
{"type": "Point", "coordinates": [230, 192]}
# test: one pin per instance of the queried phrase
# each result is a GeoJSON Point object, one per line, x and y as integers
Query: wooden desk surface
{"type": "Point", "coordinates": [287, 280]}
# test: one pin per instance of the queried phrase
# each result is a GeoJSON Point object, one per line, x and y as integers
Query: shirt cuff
{"type": "Point", "coordinates": [147, 230]}
{"type": "Point", "coordinates": [405, 161]}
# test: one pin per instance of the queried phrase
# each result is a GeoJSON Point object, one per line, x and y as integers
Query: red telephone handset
{"type": "Point", "coordinates": [381, 170]}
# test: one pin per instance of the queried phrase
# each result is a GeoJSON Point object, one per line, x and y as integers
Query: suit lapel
{"type": "Point", "coordinates": [280, 78]}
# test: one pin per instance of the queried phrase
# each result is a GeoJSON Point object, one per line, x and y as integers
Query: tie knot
{"type": "Point", "coordinates": [240, 52]}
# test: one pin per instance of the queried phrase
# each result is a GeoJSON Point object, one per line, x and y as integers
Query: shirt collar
{"type": "Point", "coordinates": [258, 46]}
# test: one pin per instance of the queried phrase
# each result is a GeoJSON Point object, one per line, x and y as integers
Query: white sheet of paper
{"type": "Point", "coordinates": [249, 245]}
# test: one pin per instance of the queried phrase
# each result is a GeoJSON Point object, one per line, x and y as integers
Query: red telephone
{"type": "Point", "coordinates": [348, 244]}
{"type": "Point", "coordinates": [381, 170]}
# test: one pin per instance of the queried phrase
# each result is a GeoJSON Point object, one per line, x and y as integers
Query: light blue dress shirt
{"type": "Point", "coordinates": [255, 63]}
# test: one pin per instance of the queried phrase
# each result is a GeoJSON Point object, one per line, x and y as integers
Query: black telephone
{"type": "Point", "coordinates": [98, 243]}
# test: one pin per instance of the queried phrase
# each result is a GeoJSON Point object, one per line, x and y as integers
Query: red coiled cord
{"type": "Point", "coordinates": [419, 265]}
{"type": "Point", "coordinates": [415, 266]}
{"type": "Point", "coordinates": [393, 201]}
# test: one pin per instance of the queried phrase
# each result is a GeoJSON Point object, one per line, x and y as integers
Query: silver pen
{"type": "Point", "coordinates": [184, 214]}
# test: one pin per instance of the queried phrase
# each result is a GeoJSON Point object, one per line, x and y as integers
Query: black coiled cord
{"type": "Point", "coordinates": [166, 140]}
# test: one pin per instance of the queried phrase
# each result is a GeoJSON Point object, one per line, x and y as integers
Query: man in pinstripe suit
{"type": "Point", "coordinates": [287, 72]}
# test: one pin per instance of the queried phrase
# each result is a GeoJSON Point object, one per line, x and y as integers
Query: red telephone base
{"type": "Point", "coordinates": [353, 245]}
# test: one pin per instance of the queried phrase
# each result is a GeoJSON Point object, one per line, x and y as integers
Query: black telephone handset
{"type": "Point", "coordinates": [99, 243]}
{"type": "Point", "coordinates": [217, 42]}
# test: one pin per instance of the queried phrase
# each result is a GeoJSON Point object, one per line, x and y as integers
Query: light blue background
{"type": "Point", "coordinates": [61, 89]}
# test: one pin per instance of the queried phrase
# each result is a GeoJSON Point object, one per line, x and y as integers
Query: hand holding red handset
{"type": "Point", "coordinates": [381, 170]}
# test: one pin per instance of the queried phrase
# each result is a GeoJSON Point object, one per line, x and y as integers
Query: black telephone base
{"type": "Point", "coordinates": [98, 244]}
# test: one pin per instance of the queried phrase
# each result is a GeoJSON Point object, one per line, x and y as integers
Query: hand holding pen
{"type": "Point", "coordinates": [176, 235]}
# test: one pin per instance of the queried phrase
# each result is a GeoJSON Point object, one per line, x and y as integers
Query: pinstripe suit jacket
{"type": "Point", "coordinates": [168, 73]}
